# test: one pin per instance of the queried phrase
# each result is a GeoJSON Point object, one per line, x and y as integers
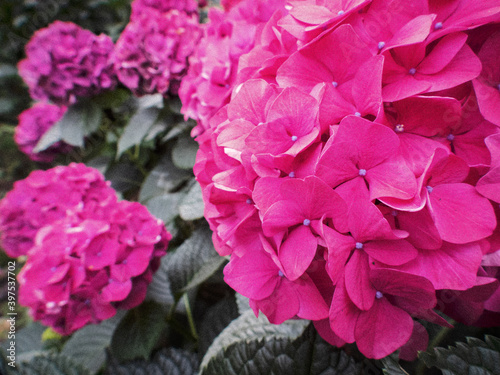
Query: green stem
{"type": "Point", "coordinates": [190, 316]}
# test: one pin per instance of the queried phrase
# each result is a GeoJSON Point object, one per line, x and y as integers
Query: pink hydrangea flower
{"type": "Point", "coordinates": [47, 196]}
{"type": "Point", "coordinates": [355, 164]}
{"type": "Point", "coordinates": [80, 271]}
{"type": "Point", "coordinates": [33, 124]}
{"type": "Point", "coordinates": [143, 6]}
{"type": "Point", "coordinates": [64, 62]}
{"type": "Point", "coordinates": [152, 52]}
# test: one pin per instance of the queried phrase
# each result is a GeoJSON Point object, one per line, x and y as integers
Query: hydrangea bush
{"type": "Point", "coordinates": [336, 212]}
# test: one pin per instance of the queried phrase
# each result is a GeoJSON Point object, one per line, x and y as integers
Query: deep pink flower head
{"type": "Point", "coordinates": [152, 52]}
{"type": "Point", "coordinates": [64, 62]}
{"type": "Point", "coordinates": [46, 196]}
{"type": "Point", "coordinates": [33, 124]}
{"type": "Point", "coordinates": [80, 271]}
{"type": "Point", "coordinates": [354, 164]}
{"type": "Point", "coordinates": [143, 6]}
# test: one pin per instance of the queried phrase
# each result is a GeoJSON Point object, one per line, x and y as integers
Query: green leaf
{"type": "Point", "coordinates": [80, 120]}
{"type": "Point", "coordinates": [242, 302]}
{"type": "Point", "coordinates": [191, 207]}
{"type": "Point", "coordinates": [124, 176]}
{"type": "Point", "coordinates": [138, 332]}
{"type": "Point", "coordinates": [392, 366]}
{"type": "Point", "coordinates": [184, 153]}
{"type": "Point", "coordinates": [168, 361]}
{"type": "Point", "coordinates": [247, 328]}
{"type": "Point", "coordinates": [207, 270]}
{"type": "Point", "coordinates": [87, 345]}
{"type": "Point", "coordinates": [164, 178]}
{"type": "Point", "coordinates": [112, 99]}
{"type": "Point", "coordinates": [282, 355]}
{"type": "Point", "coordinates": [52, 364]}
{"type": "Point", "coordinates": [28, 342]}
{"type": "Point", "coordinates": [215, 320]}
{"type": "Point", "coordinates": [187, 266]}
{"type": "Point", "coordinates": [475, 357]}
{"type": "Point", "coordinates": [160, 290]}
{"type": "Point", "coordinates": [137, 128]}
{"type": "Point", "coordinates": [165, 207]}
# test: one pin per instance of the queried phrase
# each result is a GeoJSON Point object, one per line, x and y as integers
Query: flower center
{"type": "Point", "coordinates": [357, 114]}
{"type": "Point", "coordinates": [249, 201]}
{"type": "Point", "coordinates": [399, 128]}
{"type": "Point", "coordinates": [280, 274]}
{"type": "Point", "coordinates": [429, 189]}
{"type": "Point", "coordinates": [381, 45]}
{"type": "Point", "coordinates": [379, 294]}
{"type": "Point", "coordinates": [294, 138]}
{"type": "Point", "coordinates": [291, 174]}
{"type": "Point", "coordinates": [306, 222]}
{"type": "Point", "coordinates": [412, 71]}
{"type": "Point", "coordinates": [359, 245]}
{"type": "Point", "coordinates": [362, 172]}
{"type": "Point", "coordinates": [335, 84]}
{"type": "Point", "coordinates": [450, 137]}
{"type": "Point", "coordinates": [341, 12]}
{"type": "Point", "coordinates": [438, 25]}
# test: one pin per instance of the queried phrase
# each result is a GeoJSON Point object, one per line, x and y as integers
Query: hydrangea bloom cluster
{"type": "Point", "coordinates": [143, 6]}
{"type": "Point", "coordinates": [33, 124]}
{"type": "Point", "coordinates": [64, 62]}
{"type": "Point", "coordinates": [152, 52]}
{"type": "Point", "coordinates": [353, 177]}
{"type": "Point", "coordinates": [228, 34]}
{"type": "Point", "coordinates": [87, 253]}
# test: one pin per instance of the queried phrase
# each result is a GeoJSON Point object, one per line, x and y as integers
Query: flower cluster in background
{"type": "Point", "coordinates": [33, 124]}
{"type": "Point", "coordinates": [87, 253]}
{"type": "Point", "coordinates": [353, 175]}
{"type": "Point", "coordinates": [65, 62]}
{"type": "Point", "coordinates": [152, 52]}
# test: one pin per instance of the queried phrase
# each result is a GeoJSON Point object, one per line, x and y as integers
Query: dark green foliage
{"type": "Point", "coordinates": [169, 361]}
{"type": "Point", "coordinates": [476, 357]}
{"type": "Point", "coordinates": [307, 354]}
{"type": "Point", "coordinates": [138, 332]}
{"type": "Point", "coordinates": [215, 320]}
{"type": "Point", "coordinates": [52, 364]}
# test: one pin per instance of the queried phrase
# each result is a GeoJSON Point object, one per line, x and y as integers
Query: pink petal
{"type": "Point", "coordinates": [357, 281]}
{"type": "Point", "coordinates": [297, 252]}
{"type": "Point", "coordinates": [394, 253]}
{"type": "Point", "coordinates": [442, 54]}
{"type": "Point", "coordinates": [418, 342]}
{"type": "Point", "coordinates": [450, 267]}
{"type": "Point", "coordinates": [382, 329]}
{"type": "Point", "coordinates": [410, 292]}
{"type": "Point", "coordinates": [489, 185]}
{"type": "Point", "coordinates": [461, 215]}
{"type": "Point", "coordinates": [250, 101]}
{"type": "Point", "coordinates": [254, 275]}
{"type": "Point", "coordinates": [392, 179]}
{"type": "Point", "coordinates": [343, 313]}
{"type": "Point", "coordinates": [488, 99]}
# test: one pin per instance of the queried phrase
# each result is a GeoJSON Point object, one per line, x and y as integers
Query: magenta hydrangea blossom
{"type": "Point", "coordinates": [64, 62]}
{"type": "Point", "coordinates": [139, 7]}
{"type": "Point", "coordinates": [33, 124]}
{"type": "Point", "coordinates": [88, 254]}
{"type": "Point", "coordinates": [152, 52]}
{"type": "Point", "coordinates": [80, 271]}
{"type": "Point", "coordinates": [47, 196]}
{"type": "Point", "coordinates": [355, 165]}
